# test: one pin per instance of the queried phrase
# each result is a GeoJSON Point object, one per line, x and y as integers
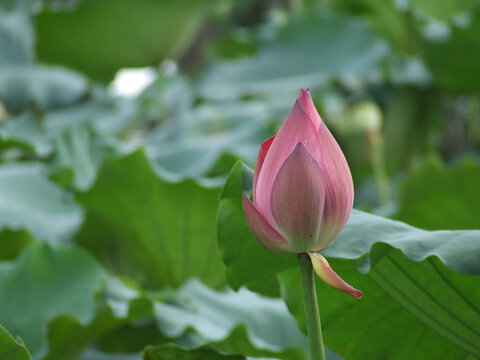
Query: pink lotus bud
{"type": "Point", "coordinates": [302, 186]}
{"type": "Point", "coordinates": [302, 190]}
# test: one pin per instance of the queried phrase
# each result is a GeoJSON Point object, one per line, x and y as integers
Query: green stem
{"type": "Point", "coordinates": [376, 155]}
{"type": "Point", "coordinates": [314, 329]}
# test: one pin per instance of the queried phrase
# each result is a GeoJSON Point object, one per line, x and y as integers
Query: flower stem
{"type": "Point", "coordinates": [314, 329]}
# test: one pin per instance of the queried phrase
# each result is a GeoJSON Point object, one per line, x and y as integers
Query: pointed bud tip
{"type": "Point", "coordinates": [305, 102]}
{"type": "Point", "coordinates": [357, 294]}
{"type": "Point", "coordinates": [304, 92]}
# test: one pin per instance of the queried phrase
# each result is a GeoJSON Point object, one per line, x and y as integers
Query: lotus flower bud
{"type": "Point", "coordinates": [302, 185]}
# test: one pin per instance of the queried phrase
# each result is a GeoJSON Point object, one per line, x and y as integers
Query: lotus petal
{"type": "Point", "coordinates": [297, 128]}
{"type": "Point", "coordinates": [306, 101]}
{"type": "Point", "coordinates": [263, 232]}
{"type": "Point", "coordinates": [261, 157]}
{"type": "Point", "coordinates": [297, 200]}
{"type": "Point", "coordinates": [338, 189]}
{"type": "Point", "coordinates": [330, 277]}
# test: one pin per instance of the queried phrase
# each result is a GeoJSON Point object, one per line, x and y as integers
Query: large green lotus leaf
{"type": "Point", "coordinates": [173, 352]}
{"type": "Point", "coordinates": [438, 198]}
{"type": "Point", "coordinates": [44, 283]}
{"type": "Point", "coordinates": [44, 86]}
{"type": "Point", "coordinates": [307, 52]}
{"type": "Point", "coordinates": [11, 349]}
{"type": "Point", "coordinates": [409, 310]}
{"type": "Point", "coordinates": [99, 37]}
{"type": "Point", "coordinates": [454, 61]}
{"type": "Point", "coordinates": [157, 232]}
{"type": "Point", "coordinates": [458, 250]}
{"type": "Point", "coordinates": [29, 200]}
{"type": "Point", "coordinates": [224, 318]}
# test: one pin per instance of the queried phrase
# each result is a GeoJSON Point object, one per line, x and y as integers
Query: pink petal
{"type": "Point", "coordinates": [339, 188]}
{"type": "Point", "coordinates": [330, 277]}
{"type": "Point", "coordinates": [298, 196]}
{"type": "Point", "coordinates": [265, 234]}
{"type": "Point", "coordinates": [297, 128]}
{"type": "Point", "coordinates": [305, 100]}
{"type": "Point", "coordinates": [261, 157]}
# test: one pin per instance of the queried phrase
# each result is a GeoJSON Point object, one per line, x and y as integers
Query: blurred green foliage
{"type": "Point", "coordinates": [162, 236]}
{"type": "Point", "coordinates": [11, 348]}
{"type": "Point", "coordinates": [102, 36]}
{"type": "Point", "coordinates": [111, 201]}
{"type": "Point", "coordinates": [173, 352]}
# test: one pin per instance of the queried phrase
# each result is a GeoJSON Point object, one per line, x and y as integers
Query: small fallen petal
{"type": "Point", "coordinates": [330, 277]}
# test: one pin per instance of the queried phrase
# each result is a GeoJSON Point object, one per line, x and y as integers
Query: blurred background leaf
{"type": "Point", "coordinates": [29, 287]}
{"type": "Point", "coordinates": [163, 233]}
{"type": "Point", "coordinates": [216, 316]}
{"type": "Point", "coordinates": [169, 351]}
{"type": "Point", "coordinates": [119, 34]}
{"type": "Point", "coordinates": [40, 86]}
{"type": "Point", "coordinates": [453, 60]}
{"type": "Point", "coordinates": [456, 209]}
{"type": "Point", "coordinates": [11, 348]}
{"type": "Point", "coordinates": [31, 201]}
{"type": "Point", "coordinates": [16, 38]}
{"type": "Point", "coordinates": [307, 52]}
